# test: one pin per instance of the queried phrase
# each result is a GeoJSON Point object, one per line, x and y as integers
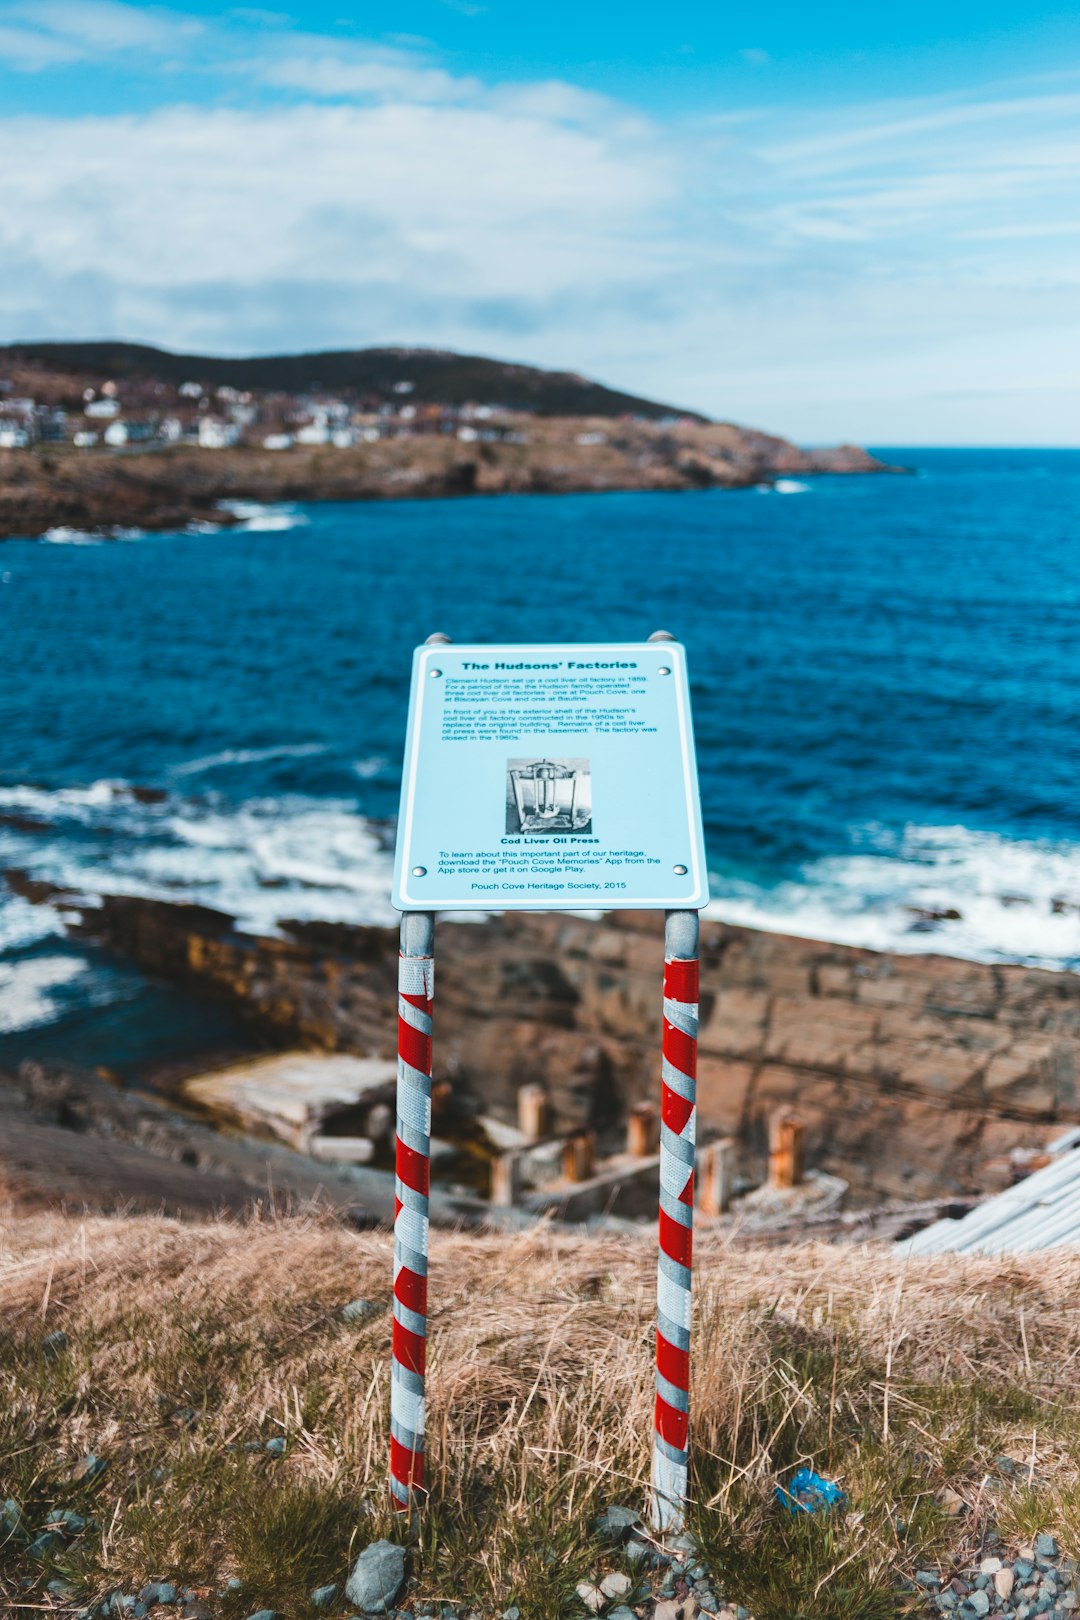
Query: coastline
{"type": "Point", "coordinates": [918, 1077]}
{"type": "Point", "coordinates": [160, 489]}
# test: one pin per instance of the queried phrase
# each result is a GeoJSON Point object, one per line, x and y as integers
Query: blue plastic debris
{"type": "Point", "coordinates": [808, 1492]}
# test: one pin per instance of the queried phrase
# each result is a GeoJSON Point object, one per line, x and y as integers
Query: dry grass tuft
{"type": "Point", "coordinates": [903, 1380]}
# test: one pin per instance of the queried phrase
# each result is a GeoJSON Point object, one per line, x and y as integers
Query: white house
{"type": "Point", "coordinates": [102, 407]}
{"type": "Point", "coordinates": [316, 432]}
{"type": "Point", "coordinates": [84, 439]}
{"type": "Point", "coordinates": [214, 434]}
{"type": "Point", "coordinates": [278, 441]}
{"type": "Point", "coordinates": [13, 437]}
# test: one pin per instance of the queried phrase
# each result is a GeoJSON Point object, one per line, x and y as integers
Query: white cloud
{"type": "Point", "coordinates": [29, 51]}
{"type": "Point", "coordinates": [51, 33]}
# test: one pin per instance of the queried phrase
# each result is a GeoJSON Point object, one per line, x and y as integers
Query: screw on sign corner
{"type": "Point", "coordinates": [416, 989]}
{"type": "Point", "coordinates": [678, 1113]}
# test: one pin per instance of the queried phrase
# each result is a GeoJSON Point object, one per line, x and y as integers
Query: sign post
{"type": "Point", "coordinates": [549, 778]}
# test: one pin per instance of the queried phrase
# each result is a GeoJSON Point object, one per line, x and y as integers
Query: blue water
{"type": "Point", "coordinates": [886, 681]}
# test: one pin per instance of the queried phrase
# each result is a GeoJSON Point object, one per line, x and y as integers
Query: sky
{"type": "Point", "coordinates": [840, 223]}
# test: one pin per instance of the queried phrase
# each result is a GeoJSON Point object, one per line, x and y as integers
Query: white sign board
{"type": "Point", "coordinates": [550, 779]}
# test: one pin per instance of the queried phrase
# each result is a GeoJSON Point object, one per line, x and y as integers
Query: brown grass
{"type": "Point", "coordinates": [903, 1380]}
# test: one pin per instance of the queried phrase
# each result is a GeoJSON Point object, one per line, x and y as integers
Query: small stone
{"type": "Point", "coordinates": [253, 1445]}
{"type": "Point", "coordinates": [362, 1310]}
{"type": "Point", "coordinates": [376, 1577]}
{"type": "Point", "coordinates": [276, 1446]}
{"type": "Point", "coordinates": [1004, 1581]}
{"type": "Point", "coordinates": [616, 1585]}
{"type": "Point", "coordinates": [512, 1613]}
{"type": "Point", "coordinates": [616, 1522]}
{"type": "Point", "coordinates": [928, 1578]}
{"type": "Point", "coordinates": [979, 1602]}
{"type": "Point", "coordinates": [591, 1595]}
{"type": "Point", "coordinates": [89, 1468]}
{"type": "Point", "coordinates": [990, 1566]}
{"type": "Point", "coordinates": [945, 1601]}
{"type": "Point", "coordinates": [621, 1613]}
{"type": "Point", "coordinates": [981, 1582]}
{"type": "Point", "coordinates": [323, 1596]}
{"type": "Point", "coordinates": [10, 1517]}
{"type": "Point", "coordinates": [67, 1522]}
{"type": "Point", "coordinates": [61, 1589]}
{"type": "Point", "coordinates": [1023, 1569]}
{"type": "Point", "coordinates": [233, 1584]}
{"type": "Point", "coordinates": [1046, 1546]}
{"type": "Point", "coordinates": [45, 1545]}
{"type": "Point", "coordinates": [677, 1609]}
{"type": "Point", "coordinates": [53, 1345]}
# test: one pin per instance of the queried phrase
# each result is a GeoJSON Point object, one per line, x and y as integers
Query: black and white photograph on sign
{"type": "Point", "coordinates": [548, 796]}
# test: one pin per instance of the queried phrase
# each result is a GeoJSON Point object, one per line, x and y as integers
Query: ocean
{"type": "Point", "coordinates": [885, 679]}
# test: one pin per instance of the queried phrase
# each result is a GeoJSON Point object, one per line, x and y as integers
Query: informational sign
{"type": "Point", "coordinates": [550, 779]}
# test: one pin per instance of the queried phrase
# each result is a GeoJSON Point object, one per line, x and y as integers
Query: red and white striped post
{"type": "Point", "coordinates": [416, 990]}
{"type": "Point", "coordinates": [678, 1118]}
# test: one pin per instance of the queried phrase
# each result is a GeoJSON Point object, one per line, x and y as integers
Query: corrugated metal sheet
{"type": "Point", "coordinates": [1040, 1212]}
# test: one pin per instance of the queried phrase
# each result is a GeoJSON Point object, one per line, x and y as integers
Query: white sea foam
{"type": "Point", "coordinates": [62, 534]}
{"type": "Point", "coordinates": [790, 486]}
{"type": "Point", "coordinates": [1018, 900]}
{"type": "Point", "coordinates": [22, 924]}
{"type": "Point", "coordinates": [371, 767]}
{"type": "Point", "coordinates": [260, 861]}
{"type": "Point", "coordinates": [259, 517]}
{"type": "Point", "coordinates": [248, 756]}
{"type": "Point", "coordinates": [296, 856]}
{"type": "Point", "coordinates": [31, 989]}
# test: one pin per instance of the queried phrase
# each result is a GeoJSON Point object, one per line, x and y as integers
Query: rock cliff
{"type": "Point", "coordinates": [914, 1074]}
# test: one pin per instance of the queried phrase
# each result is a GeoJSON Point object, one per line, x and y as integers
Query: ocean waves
{"type": "Point", "coordinates": [947, 889]}
{"type": "Point", "coordinates": [267, 858]}
{"type": "Point", "coordinates": [262, 860]}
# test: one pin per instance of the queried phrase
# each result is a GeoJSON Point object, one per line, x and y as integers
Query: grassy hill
{"type": "Point", "coordinates": [438, 376]}
{"type": "Point", "coordinates": [941, 1394]}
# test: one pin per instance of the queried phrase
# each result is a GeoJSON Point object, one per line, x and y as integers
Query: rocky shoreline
{"type": "Point", "coordinates": [165, 489]}
{"type": "Point", "coordinates": [918, 1078]}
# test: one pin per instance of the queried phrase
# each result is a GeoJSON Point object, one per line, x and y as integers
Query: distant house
{"type": "Point", "coordinates": [278, 441]}
{"type": "Point", "coordinates": [214, 434]}
{"type": "Point", "coordinates": [171, 430]}
{"type": "Point", "coordinates": [102, 407]}
{"type": "Point", "coordinates": [129, 432]}
{"type": "Point", "coordinates": [316, 432]}
{"type": "Point", "coordinates": [50, 425]}
{"type": "Point", "coordinates": [343, 438]}
{"type": "Point", "coordinates": [85, 439]}
{"type": "Point", "coordinates": [13, 437]}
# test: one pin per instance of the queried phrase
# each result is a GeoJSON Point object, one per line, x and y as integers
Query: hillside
{"type": "Point", "coordinates": [192, 1405]}
{"type": "Point", "coordinates": [437, 376]}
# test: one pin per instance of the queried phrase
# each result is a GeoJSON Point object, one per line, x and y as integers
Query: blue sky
{"type": "Point", "coordinates": [838, 224]}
